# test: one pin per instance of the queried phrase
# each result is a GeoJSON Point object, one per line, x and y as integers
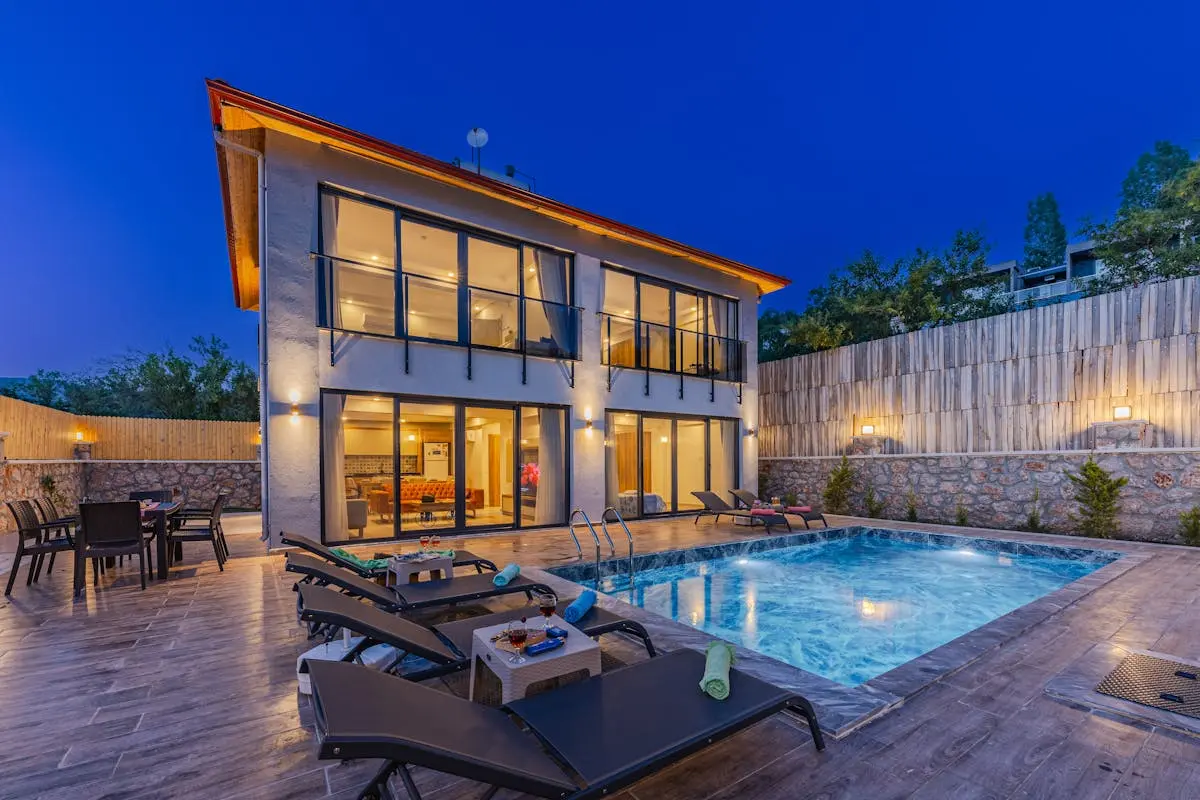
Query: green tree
{"type": "Point", "coordinates": [1151, 174]}
{"type": "Point", "coordinates": [775, 330]}
{"type": "Point", "coordinates": [1160, 242]}
{"type": "Point", "coordinates": [837, 488]}
{"type": "Point", "coordinates": [1098, 494]}
{"type": "Point", "coordinates": [205, 383]}
{"type": "Point", "coordinates": [1045, 234]}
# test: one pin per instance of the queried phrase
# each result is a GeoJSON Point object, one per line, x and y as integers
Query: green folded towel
{"type": "Point", "coordinates": [371, 564]}
{"type": "Point", "coordinates": [507, 574]}
{"type": "Point", "coordinates": [718, 660]}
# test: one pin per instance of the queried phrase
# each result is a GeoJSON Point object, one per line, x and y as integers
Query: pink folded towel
{"type": "Point", "coordinates": [799, 509]}
{"type": "Point", "coordinates": [762, 512]}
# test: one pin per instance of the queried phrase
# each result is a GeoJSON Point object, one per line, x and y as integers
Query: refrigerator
{"type": "Point", "coordinates": [437, 461]}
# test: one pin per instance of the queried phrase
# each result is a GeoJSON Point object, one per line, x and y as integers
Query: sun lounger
{"type": "Point", "coordinates": [605, 733]}
{"type": "Point", "coordinates": [716, 507]}
{"type": "Point", "coordinates": [462, 558]}
{"type": "Point", "coordinates": [447, 646]}
{"type": "Point", "coordinates": [407, 596]}
{"type": "Point", "coordinates": [806, 513]}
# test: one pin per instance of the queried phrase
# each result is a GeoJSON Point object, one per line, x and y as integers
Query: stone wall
{"type": "Point", "coordinates": [21, 480]}
{"type": "Point", "coordinates": [997, 489]}
{"type": "Point", "coordinates": [114, 480]}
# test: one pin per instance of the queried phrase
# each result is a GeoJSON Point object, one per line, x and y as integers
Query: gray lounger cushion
{"type": "Point", "coordinates": [326, 605]}
{"type": "Point", "coordinates": [362, 713]}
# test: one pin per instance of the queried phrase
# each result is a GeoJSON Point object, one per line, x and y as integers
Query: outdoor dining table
{"type": "Point", "coordinates": [160, 514]}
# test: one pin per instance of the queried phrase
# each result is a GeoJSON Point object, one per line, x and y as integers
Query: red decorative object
{"type": "Point", "coordinates": [530, 475]}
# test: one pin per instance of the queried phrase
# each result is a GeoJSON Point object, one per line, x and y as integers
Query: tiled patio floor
{"type": "Point", "coordinates": [188, 690]}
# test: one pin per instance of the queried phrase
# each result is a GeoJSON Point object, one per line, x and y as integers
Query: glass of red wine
{"type": "Point", "coordinates": [425, 544]}
{"type": "Point", "coordinates": [547, 604]}
{"type": "Point", "coordinates": [517, 634]}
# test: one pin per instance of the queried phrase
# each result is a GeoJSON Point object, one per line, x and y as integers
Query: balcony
{"type": "Point", "coordinates": [1051, 291]}
{"type": "Point", "coordinates": [648, 346]}
{"type": "Point", "coordinates": [369, 300]}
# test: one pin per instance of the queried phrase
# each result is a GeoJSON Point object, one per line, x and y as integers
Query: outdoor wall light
{"type": "Point", "coordinates": [1122, 412]}
{"type": "Point", "coordinates": [752, 431]}
{"type": "Point", "coordinates": [868, 430]}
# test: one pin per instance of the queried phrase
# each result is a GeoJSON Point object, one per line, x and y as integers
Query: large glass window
{"type": "Point", "coordinates": [361, 239]}
{"type": "Point", "coordinates": [653, 464]}
{"type": "Point", "coordinates": [395, 467]}
{"type": "Point", "coordinates": [359, 466]}
{"type": "Point", "coordinates": [542, 489]}
{"type": "Point", "coordinates": [444, 283]}
{"type": "Point", "coordinates": [654, 325]}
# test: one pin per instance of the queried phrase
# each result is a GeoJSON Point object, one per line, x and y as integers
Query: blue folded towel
{"type": "Point", "coordinates": [507, 574]}
{"type": "Point", "coordinates": [582, 604]}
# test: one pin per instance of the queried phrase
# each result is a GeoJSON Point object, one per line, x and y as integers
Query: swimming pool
{"type": "Point", "coordinates": [853, 607]}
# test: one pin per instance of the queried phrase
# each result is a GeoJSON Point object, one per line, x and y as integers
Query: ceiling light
{"type": "Point", "coordinates": [531, 269]}
{"type": "Point", "coordinates": [402, 420]}
{"type": "Point", "coordinates": [374, 258]}
{"type": "Point", "coordinates": [449, 274]}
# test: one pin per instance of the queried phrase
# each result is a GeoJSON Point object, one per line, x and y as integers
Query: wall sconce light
{"type": "Point", "coordinates": [868, 430]}
{"type": "Point", "coordinates": [1122, 412]}
{"type": "Point", "coordinates": [752, 431]}
{"type": "Point", "coordinates": [294, 398]}
{"type": "Point", "coordinates": [79, 436]}
{"type": "Point", "coordinates": [412, 437]}
{"type": "Point", "coordinates": [664, 439]}
{"type": "Point", "coordinates": [588, 424]}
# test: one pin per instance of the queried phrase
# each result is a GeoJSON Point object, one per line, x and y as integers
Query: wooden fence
{"type": "Point", "coordinates": [37, 432]}
{"type": "Point", "coordinates": [1029, 380]}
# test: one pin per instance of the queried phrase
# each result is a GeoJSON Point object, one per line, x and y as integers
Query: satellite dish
{"type": "Point", "coordinates": [477, 137]}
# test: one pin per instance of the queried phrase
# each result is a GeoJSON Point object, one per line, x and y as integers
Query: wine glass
{"type": "Point", "coordinates": [517, 634]}
{"type": "Point", "coordinates": [435, 542]}
{"type": "Point", "coordinates": [547, 604]}
{"type": "Point", "coordinates": [425, 543]}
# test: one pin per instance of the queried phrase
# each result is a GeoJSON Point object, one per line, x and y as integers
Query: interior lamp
{"type": "Point", "coordinates": [868, 430]}
{"type": "Point", "coordinates": [1122, 412]}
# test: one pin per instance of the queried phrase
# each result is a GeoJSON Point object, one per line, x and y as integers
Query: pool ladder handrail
{"type": "Point", "coordinates": [579, 512]}
{"type": "Point", "coordinates": [604, 527]}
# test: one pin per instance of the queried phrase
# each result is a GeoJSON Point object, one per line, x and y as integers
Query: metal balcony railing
{"type": "Point", "coordinates": [401, 305]}
{"type": "Point", "coordinates": [650, 346]}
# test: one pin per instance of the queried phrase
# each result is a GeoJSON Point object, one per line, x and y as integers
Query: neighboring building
{"type": "Point", "coordinates": [1063, 281]}
{"type": "Point", "coordinates": [442, 350]}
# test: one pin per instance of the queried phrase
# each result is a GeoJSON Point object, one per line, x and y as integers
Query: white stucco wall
{"type": "Point", "coordinates": [299, 357]}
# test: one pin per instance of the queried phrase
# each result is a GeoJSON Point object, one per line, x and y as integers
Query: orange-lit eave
{"type": "Point", "coordinates": [295, 122]}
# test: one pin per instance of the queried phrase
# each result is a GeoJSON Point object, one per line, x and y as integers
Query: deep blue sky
{"type": "Point", "coordinates": [789, 136]}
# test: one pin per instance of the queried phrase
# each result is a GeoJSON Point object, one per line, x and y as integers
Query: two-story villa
{"type": "Point", "coordinates": [444, 351]}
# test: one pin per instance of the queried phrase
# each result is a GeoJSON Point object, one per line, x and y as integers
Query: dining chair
{"type": "Point", "coordinates": [33, 540]}
{"type": "Point", "coordinates": [107, 530]}
{"type": "Point", "coordinates": [196, 528]}
{"type": "Point", "coordinates": [55, 524]}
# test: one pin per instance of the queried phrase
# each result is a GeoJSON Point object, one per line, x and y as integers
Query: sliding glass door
{"type": "Point", "coordinates": [654, 463]}
{"type": "Point", "coordinates": [399, 467]}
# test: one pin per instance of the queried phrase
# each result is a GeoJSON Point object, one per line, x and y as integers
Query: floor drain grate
{"type": "Point", "coordinates": [1155, 682]}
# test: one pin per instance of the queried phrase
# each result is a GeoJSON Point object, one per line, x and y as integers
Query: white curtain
{"type": "Point", "coordinates": [333, 442]}
{"type": "Point", "coordinates": [552, 477]}
{"type": "Point", "coordinates": [612, 484]}
{"type": "Point", "coordinates": [552, 276]}
{"type": "Point", "coordinates": [329, 218]}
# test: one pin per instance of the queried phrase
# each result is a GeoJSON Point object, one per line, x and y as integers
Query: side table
{"type": "Point", "coordinates": [579, 655]}
{"type": "Point", "coordinates": [404, 571]}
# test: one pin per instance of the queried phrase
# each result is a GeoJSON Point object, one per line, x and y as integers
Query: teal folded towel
{"type": "Point", "coordinates": [718, 660]}
{"type": "Point", "coordinates": [371, 564]}
{"type": "Point", "coordinates": [582, 604]}
{"type": "Point", "coordinates": [507, 574]}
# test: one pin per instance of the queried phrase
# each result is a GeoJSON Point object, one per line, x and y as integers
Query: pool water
{"type": "Point", "coordinates": [848, 609]}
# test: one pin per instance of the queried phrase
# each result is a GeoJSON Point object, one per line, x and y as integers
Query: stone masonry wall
{"type": "Point", "coordinates": [114, 480]}
{"type": "Point", "coordinates": [997, 488]}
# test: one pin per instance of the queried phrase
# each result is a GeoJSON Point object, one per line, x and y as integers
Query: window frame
{"type": "Point", "coordinates": [673, 287]}
{"type": "Point", "coordinates": [464, 233]}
